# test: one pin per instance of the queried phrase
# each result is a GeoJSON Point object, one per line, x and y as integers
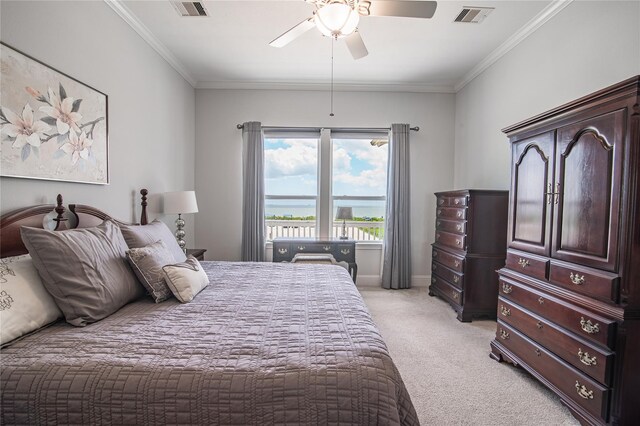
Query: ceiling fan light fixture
{"type": "Point", "coordinates": [337, 20]}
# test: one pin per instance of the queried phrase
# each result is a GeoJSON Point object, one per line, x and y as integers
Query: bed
{"type": "Point", "coordinates": [264, 343]}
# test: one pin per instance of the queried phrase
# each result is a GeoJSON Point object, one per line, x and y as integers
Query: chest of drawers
{"type": "Point", "coordinates": [470, 239]}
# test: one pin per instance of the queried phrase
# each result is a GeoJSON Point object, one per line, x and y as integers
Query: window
{"type": "Point", "coordinates": [309, 175]}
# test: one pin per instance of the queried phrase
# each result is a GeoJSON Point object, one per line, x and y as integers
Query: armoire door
{"type": "Point", "coordinates": [588, 171]}
{"type": "Point", "coordinates": [531, 187]}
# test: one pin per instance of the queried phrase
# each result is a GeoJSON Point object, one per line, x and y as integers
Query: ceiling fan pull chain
{"type": "Point", "coordinates": [333, 41]}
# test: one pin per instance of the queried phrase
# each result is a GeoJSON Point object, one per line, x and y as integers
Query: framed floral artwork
{"type": "Point", "coordinates": [52, 126]}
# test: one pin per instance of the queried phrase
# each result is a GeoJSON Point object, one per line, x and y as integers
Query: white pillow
{"type": "Point", "coordinates": [185, 279]}
{"type": "Point", "coordinates": [25, 305]}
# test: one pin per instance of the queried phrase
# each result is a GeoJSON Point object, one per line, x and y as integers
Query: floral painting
{"type": "Point", "coordinates": [51, 125]}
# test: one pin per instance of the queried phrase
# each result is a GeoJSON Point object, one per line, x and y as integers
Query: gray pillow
{"type": "Point", "coordinates": [85, 270]}
{"type": "Point", "coordinates": [147, 263]}
{"type": "Point", "coordinates": [138, 236]}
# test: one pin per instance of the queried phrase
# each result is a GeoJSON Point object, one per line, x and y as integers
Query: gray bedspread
{"type": "Point", "coordinates": [263, 344]}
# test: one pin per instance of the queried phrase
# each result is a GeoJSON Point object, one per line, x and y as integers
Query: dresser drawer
{"type": "Point", "coordinates": [591, 282]}
{"type": "Point", "coordinates": [345, 252]}
{"type": "Point", "coordinates": [452, 277]}
{"type": "Point", "coordinates": [528, 264]}
{"type": "Point", "coordinates": [446, 290]}
{"type": "Point", "coordinates": [282, 252]}
{"type": "Point", "coordinates": [587, 393]}
{"type": "Point", "coordinates": [588, 358]}
{"type": "Point", "coordinates": [447, 259]}
{"type": "Point", "coordinates": [304, 247]}
{"type": "Point", "coordinates": [444, 201]}
{"type": "Point", "coordinates": [581, 322]}
{"type": "Point", "coordinates": [451, 213]}
{"type": "Point", "coordinates": [451, 240]}
{"type": "Point", "coordinates": [456, 226]}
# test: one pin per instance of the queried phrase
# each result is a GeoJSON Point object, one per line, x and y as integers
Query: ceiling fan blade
{"type": "Point", "coordinates": [293, 33]}
{"type": "Point", "coordinates": [403, 8]}
{"type": "Point", "coordinates": [356, 45]}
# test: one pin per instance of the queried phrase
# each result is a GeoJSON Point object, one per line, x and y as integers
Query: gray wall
{"type": "Point", "coordinates": [151, 107]}
{"type": "Point", "coordinates": [586, 47]}
{"type": "Point", "coordinates": [219, 156]}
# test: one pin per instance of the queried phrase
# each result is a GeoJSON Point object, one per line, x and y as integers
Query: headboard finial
{"type": "Point", "coordinates": [60, 220]}
{"type": "Point", "coordinates": [143, 203]}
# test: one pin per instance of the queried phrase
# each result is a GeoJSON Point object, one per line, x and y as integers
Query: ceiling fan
{"type": "Point", "coordinates": [340, 18]}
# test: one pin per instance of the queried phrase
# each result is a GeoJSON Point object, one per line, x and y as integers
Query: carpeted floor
{"type": "Point", "coordinates": [446, 367]}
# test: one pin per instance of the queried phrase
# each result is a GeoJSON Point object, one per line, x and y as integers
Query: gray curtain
{"type": "Point", "coordinates": [396, 266]}
{"type": "Point", "coordinates": [253, 192]}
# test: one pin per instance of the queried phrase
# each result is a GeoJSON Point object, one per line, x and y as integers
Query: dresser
{"type": "Point", "coordinates": [471, 232]}
{"type": "Point", "coordinates": [342, 250]}
{"type": "Point", "coordinates": [569, 295]}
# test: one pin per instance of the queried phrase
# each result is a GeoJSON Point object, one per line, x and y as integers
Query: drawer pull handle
{"type": "Point", "coordinates": [457, 201]}
{"type": "Point", "coordinates": [345, 251]}
{"type": "Point", "coordinates": [523, 262]}
{"type": "Point", "coordinates": [537, 352]}
{"type": "Point", "coordinates": [435, 254]}
{"type": "Point", "coordinates": [439, 212]}
{"type": "Point", "coordinates": [456, 262]}
{"type": "Point", "coordinates": [539, 325]}
{"type": "Point", "coordinates": [438, 223]}
{"type": "Point", "coordinates": [583, 392]}
{"type": "Point", "coordinates": [326, 248]}
{"type": "Point", "coordinates": [437, 237]}
{"type": "Point", "coordinates": [459, 227]}
{"type": "Point", "coordinates": [577, 279]}
{"type": "Point", "coordinates": [455, 295]}
{"type": "Point", "coordinates": [504, 335]}
{"type": "Point", "coordinates": [301, 248]}
{"type": "Point", "coordinates": [505, 311]}
{"type": "Point", "coordinates": [588, 326]}
{"type": "Point", "coordinates": [586, 359]}
{"type": "Point", "coordinates": [283, 250]}
{"type": "Point", "coordinates": [459, 214]}
{"type": "Point", "coordinates": [458, 242]}
{"type": "Point", "coordinates": [456, 278]}
{"type": "Point", "coordinates": [541, 300]}
{"type": "Point", "coordinates": [433, 267]}
{"type": "Point", "coordinates": [506, 288]}
{"type": "Point", "coordinates": [433, 280]}
{"type": "Point", "coordinates": [441, 201]}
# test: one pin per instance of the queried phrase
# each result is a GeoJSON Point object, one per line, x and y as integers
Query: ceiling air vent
{"type": "Point", "coordinates": [190, 8]}
{"type": "Point", "coordinates": [473, 15]}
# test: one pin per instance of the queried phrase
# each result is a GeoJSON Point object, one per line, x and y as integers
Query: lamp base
{"type": "Point", "coordinates": [180, 233]}
{"type": "Point", "coordinates": [344, 235]}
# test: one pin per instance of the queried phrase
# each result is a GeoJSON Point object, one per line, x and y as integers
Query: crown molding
{"type": "Point", "coordinates": [325, 86]}
{"type": "Point", "coordinates": [146, 34]}
{"type": "Point", "coordinates": [529, 28]}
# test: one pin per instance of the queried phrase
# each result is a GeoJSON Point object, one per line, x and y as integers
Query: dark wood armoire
{"type": "Point", "coordinates": [471, 232]}
{"type": "Point", "coordinates": [569, 295]}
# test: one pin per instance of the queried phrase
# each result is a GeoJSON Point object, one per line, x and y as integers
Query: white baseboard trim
{"type": "Point", "coordinates": [369, 281]}
{"type": "Point", "coordinates": [376, 281]}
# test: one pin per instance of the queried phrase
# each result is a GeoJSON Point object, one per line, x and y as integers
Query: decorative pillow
{"type": "Point", "coordinates": [147, 263]}
{"type": "Point", "coordinates": [25, 305]}
{"type": "Point", "coordinates": [138, 236]}
{"type": "Point", "coordinates": [186, 279]}
{"type": "Point", "coordinates": [85, 270]}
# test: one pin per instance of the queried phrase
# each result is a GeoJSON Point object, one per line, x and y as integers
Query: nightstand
{"type": "Point", "coordinates": [197, 253]}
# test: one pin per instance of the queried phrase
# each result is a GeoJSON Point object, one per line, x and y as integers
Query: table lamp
{"type": "Point", "coordinates": [344, 213]}
{"type": "Point", "coordinates": [180, 202]}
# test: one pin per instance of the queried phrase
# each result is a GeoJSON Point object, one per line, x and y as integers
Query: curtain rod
{"type": "Point", "coordinates": [343, 129]}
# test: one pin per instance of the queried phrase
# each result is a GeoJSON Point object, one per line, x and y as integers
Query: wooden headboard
{"type": "Point", "coordinates": [53, 217]}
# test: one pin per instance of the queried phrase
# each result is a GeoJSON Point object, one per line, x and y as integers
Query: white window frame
{"type": "Point", "coordinates": [324, 210]}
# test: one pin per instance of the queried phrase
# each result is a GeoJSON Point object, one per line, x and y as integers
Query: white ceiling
{"type": "Point", "coordinates": [230, 47]}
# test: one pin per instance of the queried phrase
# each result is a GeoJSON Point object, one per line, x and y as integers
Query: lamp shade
{"type": "Point", "coordinates": [180, 202]}
{"type": "Point", "coordinates": [344, 213]}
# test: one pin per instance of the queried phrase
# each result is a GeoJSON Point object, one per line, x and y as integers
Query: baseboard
{"type": "Point", "coordinates": [376, 281]}
{"type": "Point", "coordinates": [369, 281]}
